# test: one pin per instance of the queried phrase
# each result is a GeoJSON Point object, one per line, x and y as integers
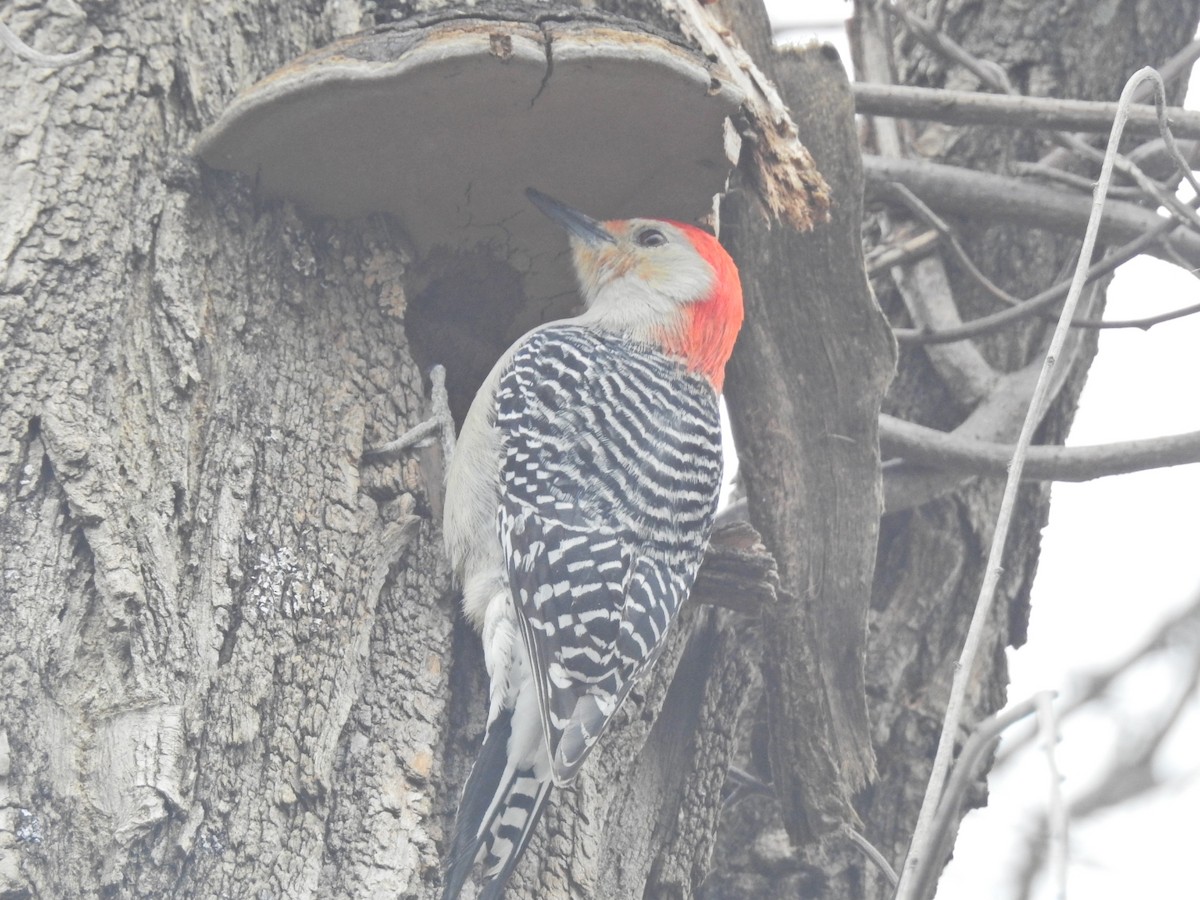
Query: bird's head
{"type": "Point", "coordinates": [656, 280]}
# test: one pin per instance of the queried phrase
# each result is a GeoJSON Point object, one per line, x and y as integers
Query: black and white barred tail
{"type": "Point", "coordinates": [500, 808]}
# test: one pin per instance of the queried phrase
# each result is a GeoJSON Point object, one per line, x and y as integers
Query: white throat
{"type": "Point", "coordinates": [630, 306]}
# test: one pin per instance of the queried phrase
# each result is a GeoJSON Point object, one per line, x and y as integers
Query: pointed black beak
{"type": "Point", "coordinates": [576, 223]}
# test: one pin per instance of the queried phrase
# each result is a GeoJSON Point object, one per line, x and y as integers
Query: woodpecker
{"type": "Point", "coordinates": [578, 505]}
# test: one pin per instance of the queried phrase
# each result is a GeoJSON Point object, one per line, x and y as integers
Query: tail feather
{"type": "Point", "coordinates": [508, 841]}
{"type": "Point", "coordinates": [478, 794]}
{"type": "Point", "coordinates": [500, 807]}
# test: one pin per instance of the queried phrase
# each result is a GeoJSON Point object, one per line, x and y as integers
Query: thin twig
{"type": "Point", "coordinates": [872, 853]}
{"type": "Point", "coordinates": [439, 423]}
{"type": "Point", "coordinates": [1070, 179]}
{"type": "Point", "coordinates": [913, 249]}
{"type": "Point", "coordinates": [750, 781]}
{"type": "Point", "coordinates": [1165, 131]}
{"type": "Point", "coordinates": [903, 251]}
{"type": "Point", "coordinates": [981, 742]}
{"type": "Point", "coordinates": [964, 671]}
{"type": "Point", "coordinates": [987, 324]}
{"type": "Point", "coordinates": [52, 60]}
{"type": "Point", "coordinates": [1056, 807]}
{"type": "Point", "coordinates": [1036, 304]}
{"type": "Point", "coordinates": [1152, 189]}
{"type": "Point", "coordinates": [930, 218]}
{"type": "Point", "coordinates": [1145, 323]}
{"type": "Point", "coordinates": [1128, 167]}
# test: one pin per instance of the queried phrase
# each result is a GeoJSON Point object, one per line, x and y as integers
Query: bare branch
{"type": "Point", "coordinates": [439, 423]}
{"type": "Point", "coordinates": [1146, 744]}
{"type": "Point", "coordinates": [1177, 66]}
{"type": "Point", "coordinates": [931, 333]}
{"type": "Point", "coordinates": [930, 218]}
{"type": "Point", "coordinates": [997, 418]}
{"type": "Point", "coordinates": [877, 68]}
{"type": "Point", "coordinates": [1145, 324]}
{"type": "Point", "coordinates": [1133, 170]}
{"type": "Point", "coordinates": [1095, 684]}
{"type": "Point", "coordinates": [1131, 774]}
{"type": "Point", "coordinates": [1070, 179]}
{"type": "Point", "coordinates": [1183, 165]}
{"type": "Point", "coordinates": [1155, 159]}
{"type": "Point", "coordinates": [1134, 772]}
{"type": "Point", "coordinates": [925, 289]}
{"type": "Point", "coordinates": [1152, 190]}
{"type": "Point", "coordinates": [979, 195]}
{"type": "Point", "coordinates": [1038, 303]}
{"type": "Point", "coordinates": [1034, 305]}
{"type": "Point", "coordinates": [956, 331]}
{"type": "Point", "coordinates": [1012, 111]}
{"type": "Point", "coordinates": [1056, 808]}
{"type": "Point", "coordinates": [995, 77]}
{"type": "Point", "coordinates": [930, 447]}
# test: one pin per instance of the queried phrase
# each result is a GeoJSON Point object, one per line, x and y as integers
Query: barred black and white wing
{"type": "Point", "coordinates": [610, 475]}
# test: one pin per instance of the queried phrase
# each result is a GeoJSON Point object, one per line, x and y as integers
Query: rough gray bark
{"type": "Point", "coordinates": [202, 584]}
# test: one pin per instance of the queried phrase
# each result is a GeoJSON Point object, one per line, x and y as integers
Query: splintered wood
{"type": "Point", "coordinates": [782, 170]}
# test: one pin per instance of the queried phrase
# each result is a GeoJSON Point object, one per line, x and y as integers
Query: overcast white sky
{"type": "Point", "coordinates": [1119, 555]}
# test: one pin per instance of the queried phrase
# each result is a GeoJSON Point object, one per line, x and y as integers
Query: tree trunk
{"type": "Point", "coordinates": [227, 642]}
{"type": "Point", "coordinates": [232, 657]}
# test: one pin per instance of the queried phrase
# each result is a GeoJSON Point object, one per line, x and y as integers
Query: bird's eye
{"type": "Point", "coordinates": [651, 237]}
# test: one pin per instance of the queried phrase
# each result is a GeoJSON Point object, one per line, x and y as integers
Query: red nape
{"type": "Point", "coordinates": [713, 322]}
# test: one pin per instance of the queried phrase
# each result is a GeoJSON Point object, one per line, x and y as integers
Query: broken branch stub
{"type": "Point", "coordinates": [444, 123]}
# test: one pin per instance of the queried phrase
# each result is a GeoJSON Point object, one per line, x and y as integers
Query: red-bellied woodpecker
{"type": "Point", "coordinates": [578, 505]}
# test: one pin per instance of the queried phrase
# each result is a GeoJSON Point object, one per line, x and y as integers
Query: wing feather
{"type": "Point", "coordinates": [611, 470]}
